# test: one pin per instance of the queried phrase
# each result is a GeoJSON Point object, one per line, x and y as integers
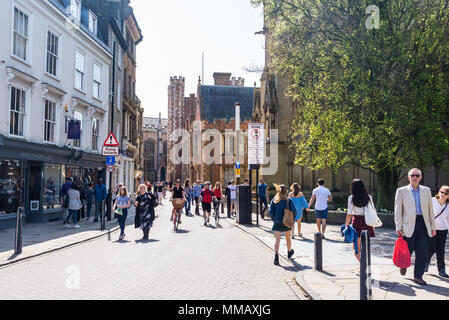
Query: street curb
{"type": "Point", "coordinates": [5, 264]}
{"type": "Point", "coordinates": [309, 293]}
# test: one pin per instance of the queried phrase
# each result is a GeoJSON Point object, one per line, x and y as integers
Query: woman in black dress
{"type": "Point", "coordinates": [145, 204]}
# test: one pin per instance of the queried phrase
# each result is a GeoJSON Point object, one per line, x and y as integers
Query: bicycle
{"type": "Point", "coordinates": [176, 218]}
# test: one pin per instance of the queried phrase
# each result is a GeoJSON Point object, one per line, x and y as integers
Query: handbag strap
{"type": "Point", "coordinates": [441, 211]}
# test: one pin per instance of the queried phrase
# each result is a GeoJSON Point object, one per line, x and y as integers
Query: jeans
{"type": "Point", "coordinates": [418, 243]}
{"type": "Point", "coordinates": [89, 208]}
{"type": "Point", "coordinates": [98, 209]}
{"type": "Point", "coordinates": [121, 220]}
{"type": "Point", "coordinates": [263, 201]}
{"type": "Point", "coordinates": [436, 245]}
{"type": "Point", "coordinates": [187, 204]}
{"type": "Point", "coordinates": [75, 215]}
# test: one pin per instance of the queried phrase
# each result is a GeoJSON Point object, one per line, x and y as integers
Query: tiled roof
{"type": "Point", "coordinates": [218, 102]}
{"type": "Point", "coordinates": [153, 123]}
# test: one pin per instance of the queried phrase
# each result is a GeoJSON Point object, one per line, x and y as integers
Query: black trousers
{"type": "Point", "coordinates": [418, 243]}
{"type": "Point", "coordinates": [228, 203]}
{"type": "Point", "coordinates": [263, 204]}
{"type": "Point", "coordinates": [437, 245]}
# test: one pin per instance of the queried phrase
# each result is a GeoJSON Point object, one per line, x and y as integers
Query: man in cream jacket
{"type": "Point", "coordinates": [415, 221]}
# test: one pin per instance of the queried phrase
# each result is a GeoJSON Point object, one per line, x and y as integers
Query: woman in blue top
{"type": "Point", "coordinates": [123, 202]}
{"type": "Point", "coordinates": [300, 204]}
{"type": "Point", "coordinates": [277, 206]}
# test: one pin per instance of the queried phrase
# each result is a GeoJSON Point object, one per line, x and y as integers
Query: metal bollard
{"type": "Point", "coordinates": [318, 252]}
{"type": "Point", "coordinates": [366, 291]}
{"type": "Point", "coordinates": [18, 239]}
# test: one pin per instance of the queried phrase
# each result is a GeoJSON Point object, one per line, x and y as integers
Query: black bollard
{"type": "Point", "coordinates": [103, 217]}
{"type": "Point", "coordinates": [365, 267]}
{"type": "Point", "coordinates": [318, 252]}
{"type": "Point", "coordinates": [18, 240]}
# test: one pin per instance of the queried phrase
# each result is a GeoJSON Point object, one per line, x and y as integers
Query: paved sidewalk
{"type": "Point", "coordinates": [339, 279]}
{"type": "Point", "coordinates": [41, 238]}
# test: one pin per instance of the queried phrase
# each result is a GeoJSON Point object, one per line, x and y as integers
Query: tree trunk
{"type": "Point", "coordinates": [387, 183]}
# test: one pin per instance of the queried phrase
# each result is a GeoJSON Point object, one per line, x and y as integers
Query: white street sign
{"type": "Point", "coordinates": [256, 143]}
{"type": "Point", "coordinates": [110, 151]}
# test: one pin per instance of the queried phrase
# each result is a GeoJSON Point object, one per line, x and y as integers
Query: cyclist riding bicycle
{"type": "Point", "coordinates": [178, 193]}
{"type": "Point", "coordinates": [206, 199]}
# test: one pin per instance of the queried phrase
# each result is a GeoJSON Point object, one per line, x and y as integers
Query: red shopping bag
{"type": "Point", "coordinates": [401, 254]}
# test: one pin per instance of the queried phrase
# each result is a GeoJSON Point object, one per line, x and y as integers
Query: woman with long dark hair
{"type": "Point", "coordinates": [357, 202]}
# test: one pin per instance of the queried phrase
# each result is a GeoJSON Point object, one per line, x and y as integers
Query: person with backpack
{"type": "Point", "coordinates": [206, 198]}
{"type": "Point", "coordinates": [357, 201]}
{"type": "Point", "coordinates": [277, 206]}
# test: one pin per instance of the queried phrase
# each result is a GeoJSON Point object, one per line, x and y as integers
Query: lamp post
{"type": "Point", "coordinates": [237, 135]}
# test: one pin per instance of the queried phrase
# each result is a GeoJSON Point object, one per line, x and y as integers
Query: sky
{"type": "Point", "coordinates": [176, 32]}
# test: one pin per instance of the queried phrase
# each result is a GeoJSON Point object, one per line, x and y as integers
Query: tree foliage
{"type": "Point", "coordinates": [376, 98]}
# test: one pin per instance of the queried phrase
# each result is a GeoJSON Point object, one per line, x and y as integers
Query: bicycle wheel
{"type": "Point", "coordinates": [217, 217]}
{"type": "Point", "coordinates": [175, 222]}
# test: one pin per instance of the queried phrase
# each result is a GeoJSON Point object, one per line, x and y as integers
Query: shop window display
{"type": "Point", "coordinates": [52, 185]}
{"type": "Point", "coordinates": [10, 181]}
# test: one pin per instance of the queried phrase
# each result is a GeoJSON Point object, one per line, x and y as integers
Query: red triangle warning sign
{"type": "Point", "coordinates": [111, 141]}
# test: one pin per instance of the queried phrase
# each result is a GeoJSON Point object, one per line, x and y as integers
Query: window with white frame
{"type": "Point", "coordinates": [20, 41]}
{"type": "Point", "coordinates": [75, 9]}
{"type": "Point", "coordinates": [79, 71]}
{"type": "Point", "coordinates": [119, 94]}
{"type": "Point", "coordinates": [97, 81]}
{"type": "Point", "coordinates": [17, 112]}
{"type": "Point", "coordinates": [49, 121]}
{"type": "Point", "coordinates": [93, 22]}
{"type": "Point", "coordinates": [78, 116]}
{"type": "Point", "coordinates": [52, 53]}
{"type": "Point", "coordinates": [95, 133]}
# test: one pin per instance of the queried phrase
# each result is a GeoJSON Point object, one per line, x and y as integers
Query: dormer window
{"type": "Point", "coordinates": [93, 22]}
{"type": "Point", "coordinates": [75, 9]}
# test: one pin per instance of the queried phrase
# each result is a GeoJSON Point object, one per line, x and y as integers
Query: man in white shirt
{"type": "Point", "coordinates": [233, 189]}
{"type": "Point", "coordinates": [322, 195]}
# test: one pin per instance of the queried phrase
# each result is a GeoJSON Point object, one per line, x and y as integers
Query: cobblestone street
{"type": "Point", "coordinates": [198, 262]}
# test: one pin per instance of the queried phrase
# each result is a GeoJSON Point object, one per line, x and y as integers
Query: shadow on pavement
{"type": "Point", "coordinates": [146, 241]}
{"type": "Point", "coordinates": [182, 231]}
{"type": "Point", "coordinates": [399, 288]}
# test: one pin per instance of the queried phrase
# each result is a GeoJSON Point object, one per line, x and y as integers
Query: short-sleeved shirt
{"type": "Point", "coordinates": [321, 193]}
{"type": "Point", "coordinates": [262, 187]}
{"type": "Point", "coordinates": [233, 191]}
{"type": "Point", "coordinates": [123, 201]}
{"type": "Point", "coordinates": [197, 190]}
{"type": "Point", "coordinates": [178, 193]}
{"type": "Point", "coordinates": [357, 211]}
{"type": "Point", "coordinates": [442, 222]}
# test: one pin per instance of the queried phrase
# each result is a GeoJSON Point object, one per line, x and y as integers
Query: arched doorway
{"type": "Point", "coordinates": [162, 174]}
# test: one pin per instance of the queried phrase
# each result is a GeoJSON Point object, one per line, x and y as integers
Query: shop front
{"type": "Point", "coordinates": [31, 176]}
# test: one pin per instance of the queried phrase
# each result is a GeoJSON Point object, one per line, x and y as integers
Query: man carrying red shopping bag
{"type": "Point", "coordinates": [415, 222]}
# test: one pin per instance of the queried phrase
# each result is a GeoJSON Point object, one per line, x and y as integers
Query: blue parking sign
{"type": "Point", "coordinates": [110, 161]}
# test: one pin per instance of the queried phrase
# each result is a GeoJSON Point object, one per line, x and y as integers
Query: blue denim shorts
{"type": "Point", "coordinates": [321, 214]}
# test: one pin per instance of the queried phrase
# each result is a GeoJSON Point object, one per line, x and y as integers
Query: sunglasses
{"type": "Point", "coordinates": [415, 175]}
{"type": "Point", "coordinates": [446, 193]}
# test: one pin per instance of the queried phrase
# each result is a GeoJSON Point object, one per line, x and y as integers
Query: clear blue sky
{"type": "Point", "coordinates": [176, 32]}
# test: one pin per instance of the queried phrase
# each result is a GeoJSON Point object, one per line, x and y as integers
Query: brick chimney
{"type": "Point", "coordinates": [222, 79]}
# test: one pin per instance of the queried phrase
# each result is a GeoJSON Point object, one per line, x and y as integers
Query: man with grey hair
{"type": "Point", "coordinates": [415, 221]}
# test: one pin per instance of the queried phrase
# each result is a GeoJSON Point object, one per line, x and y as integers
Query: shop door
{"type": "Point", "coordinates": [35, 188]}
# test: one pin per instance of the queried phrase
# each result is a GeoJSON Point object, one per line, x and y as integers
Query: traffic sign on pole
{"type": "Point", "coordinates": [256, 143]}
{"type": "Point", "coordinates": [111, 141]}
{"type": "Point", "coordinates": [237, 165]}
{"type": "Point", "coordinates": [110, 160]}
{"type": "Point", "coordinates": [237, 172]}
{"type": "Point", "coordinates": [109, 168]}
{"type": "Point", "coordinates": [110, 151]}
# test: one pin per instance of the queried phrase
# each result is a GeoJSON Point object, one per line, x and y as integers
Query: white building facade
{"type": "Point", "coordinates": [55, 69]}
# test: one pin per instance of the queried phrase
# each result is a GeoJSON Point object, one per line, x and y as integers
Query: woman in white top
{"type": "Point", "coordinates": [437, 244]}
{"type": "Point", "coordinates": [74, 204]}
{"type": "Point", "coordinates": [357, 201]}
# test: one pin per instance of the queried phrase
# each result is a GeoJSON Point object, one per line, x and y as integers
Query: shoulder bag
{"type": "Point", "coordinates": [288, 216]}
{"type": "Point", "coordinates": [371, 217]}
{"type": "Point", "coordinates": [441, 211]}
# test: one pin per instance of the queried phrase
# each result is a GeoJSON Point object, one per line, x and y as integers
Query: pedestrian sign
{"type": "Point", "coordinates": [110, 160]}
{"type": "Point", "coordinates": [111, 141]}
{"type": "Point", "coordinates": [237, 165]}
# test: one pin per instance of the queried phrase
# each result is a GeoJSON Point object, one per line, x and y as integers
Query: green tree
{"type": "Point", "coordinates": [375, 98]}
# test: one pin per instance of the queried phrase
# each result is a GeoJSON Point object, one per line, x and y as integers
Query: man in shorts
{"type": "Point", "coordinates": [206, 199]}
{"type": "Point", "coordinates": [322, 195]}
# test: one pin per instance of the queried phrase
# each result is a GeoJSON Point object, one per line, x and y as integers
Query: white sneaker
{"type": "Point", "coordinates": [67, 225]}
{"type": "Point", "coordinates": [76, 226]}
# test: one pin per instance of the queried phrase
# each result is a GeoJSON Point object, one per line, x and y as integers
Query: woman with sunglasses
{"type": "Point", "coordinates": [178, 195]}
{"type": "Point", "coordinates": [437, 244]}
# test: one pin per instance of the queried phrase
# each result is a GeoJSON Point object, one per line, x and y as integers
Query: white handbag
{"type": "Point", "coordinates": [371, 217]}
